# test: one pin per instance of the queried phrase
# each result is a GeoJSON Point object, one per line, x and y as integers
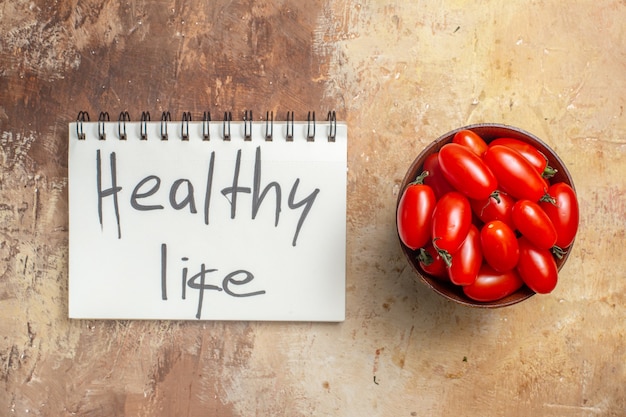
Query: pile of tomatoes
{"type": "Point", "coordinates": [488, 217]}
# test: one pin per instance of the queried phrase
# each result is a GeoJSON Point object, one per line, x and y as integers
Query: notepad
{"type": "Point", "coordinates": [207, 220]}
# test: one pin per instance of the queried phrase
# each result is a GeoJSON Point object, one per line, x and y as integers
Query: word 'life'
{"type": "Point", "coordinates": [200, 281]}
{"type": "Point", "coordinates": [183, 195]}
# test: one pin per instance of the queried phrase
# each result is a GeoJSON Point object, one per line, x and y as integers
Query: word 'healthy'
{"type": "Point", "coordinates": [182, 193]}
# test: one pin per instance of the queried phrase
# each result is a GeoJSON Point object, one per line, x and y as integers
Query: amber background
{"type": "Point", "coordinates": [400, 74]}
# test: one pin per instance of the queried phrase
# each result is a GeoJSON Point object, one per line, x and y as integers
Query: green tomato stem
{"type": "Point", "coordinates": [549, 172]}
{"type": "Point", "coordinates": [496, 196]}
{"type": "Point", "coordinates": [547, 198]}
{"type": "Point", "coordinates": [558, 252]}
{"type": "Point", "coordinates": [420, 178]}
{"type": "Point", "coordinates": [445, 255]}
{"type": "Point", "coordinates": [425, 257]}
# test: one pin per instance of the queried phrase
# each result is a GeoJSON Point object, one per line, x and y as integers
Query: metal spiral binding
{"type": "Point", "coordinates": [269, 126]}
{"type": "Point", "coordinates": [145, 118]}
{"type": "Point", "coordinates": [310, 134]}
{"type": "Point", "coordinates": [165, 117]}
{"type": "Point", "coordinates": [228, 117]}
{"type": "Point", "coordinates": [184, 126]}
{"type": "Point", "coordinates": [248, 120]}
{"type": "Point", "coordinates": [206, 119]}
{"type": "Point", "coordinates": [332, 121]}
{"type": "Point", "coordinates": [82, 117]}
{"type": "Point", "coordinates": [121, 121]}
{"type": "Point", "coordinates": [247, 126]}
{"type": "Point", "coordinates": [103, 117]}
{"type": "Point", "coordinates": [289, 135]}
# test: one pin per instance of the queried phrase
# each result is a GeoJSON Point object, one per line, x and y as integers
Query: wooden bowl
{"type": "Point", "coordinates": [489, 132]}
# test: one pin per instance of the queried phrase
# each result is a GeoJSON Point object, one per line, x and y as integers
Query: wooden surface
{"type": "Point", "coordinates": [400, 74]}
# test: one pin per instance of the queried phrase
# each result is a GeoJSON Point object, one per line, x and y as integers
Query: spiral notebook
{"type": "Point", "coordinates": [207, 220]}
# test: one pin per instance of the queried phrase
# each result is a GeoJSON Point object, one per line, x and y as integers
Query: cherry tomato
{"type": "Point", "coordinates": [533, 223]}
{"type": "Point", "coordinates": [466, 172]}
{"type": "Point", "coordinates": [452, 218]}
{"type": "Point", "coordinates": [563, 213]}
{"type": "Point", "coordinates": [536, 267]}
{"type": "Point", "coordinates": [530, 153]}
{"type": "Point", "coordinates": [467, 260]}
{"type": "Point", "coordinates": [499, 245]}
{"type": "Point", "coordinates": [470, 140]}
{"type": "Point", "coordinates": [432, 263]}
{"type": "Point", "coordinates": [414, 214]}
{"type": "Point", "coordinates": [435, 178]}
{"type": "Point", "coordinates": [516, 176]}
{"type": "Point", "coordinates": [491, 285]}
{"type": "Point", "coordinates": [494, 209]}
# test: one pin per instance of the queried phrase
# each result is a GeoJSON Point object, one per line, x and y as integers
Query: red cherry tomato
{"type": "Point", "coordinates": [563, 213]}
{"type": "Point", "coordinates": [432, 263]}
{"type": "Point", "coordinates": [516, 176]}
{"type": "Point", "coordinates": [536, 267]}
{"type": "Point", "coordinates": [532, 155]}
{"type": "Point", "coordinates": [452, 218]}
{"type": "Point", "coordinates": [435, 178]}
{"type": "Point", "coordinates": [414, 214]}
{"type": "Point", "coordinates": [494, 209]}
{"type": "Point", "coordinates": [467, 260]}
{"type": "Point", "coordinates": [499, 245]}
{"type": "Point", "coordinates": [466, 172]}
{"type": "Point", "coordinates": [533, 223]}
{"type": "Point", "coordinates": [491, 285]}
{"type": "Point", "coordinates": [470, 140]}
